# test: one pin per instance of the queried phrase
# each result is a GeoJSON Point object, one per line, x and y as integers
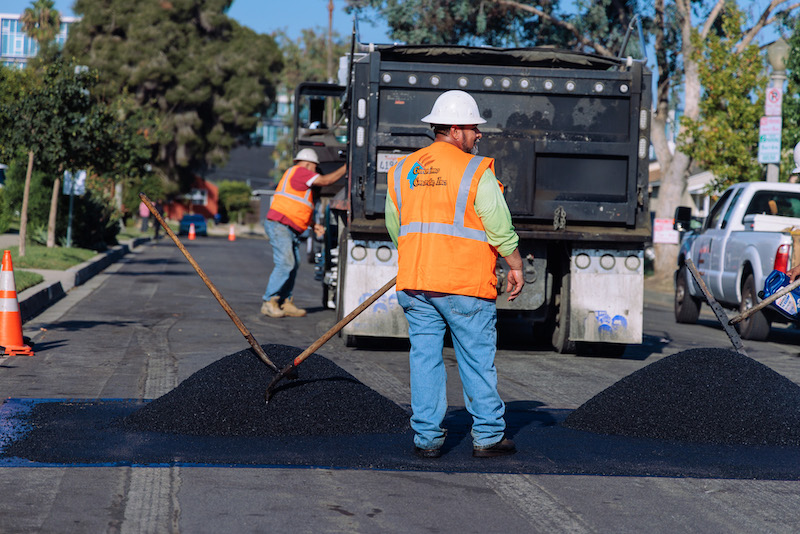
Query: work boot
{"type": "Point", "coordinates": [290, 310]}
{"type": "Point", "coordinates": [272, 308]}
{"type": "Point", "coordinates": [501, 448]}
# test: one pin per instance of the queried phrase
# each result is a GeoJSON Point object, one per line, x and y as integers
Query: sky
{"type": "Point", "coordinates": [266, 16]}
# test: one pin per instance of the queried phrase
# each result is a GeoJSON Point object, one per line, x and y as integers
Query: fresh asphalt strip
{"type": "Point", "coordinates": [706, 413]}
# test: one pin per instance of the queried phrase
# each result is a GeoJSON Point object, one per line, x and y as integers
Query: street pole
{"type": "Point", "coordinates": [71, 201]}
{"type": "Point", "coordinates": [777, 53]}
{"type": "Point", "coordinates": [329, 100]}
{"type": "Point", "coordinates": [777, 78]}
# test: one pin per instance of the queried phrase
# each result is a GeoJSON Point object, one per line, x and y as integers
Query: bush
{"type": "Point", "coordinates": [5, 215]}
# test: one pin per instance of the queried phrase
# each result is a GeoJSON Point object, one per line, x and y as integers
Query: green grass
{"type": "Point", "coordinates": [25, 279]}
{"type": "Point", "coordinates": [56, 258]}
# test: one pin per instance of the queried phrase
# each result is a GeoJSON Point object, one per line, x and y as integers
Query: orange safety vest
{"type": "Point", "coordinates": [294, 204]}
{"type": "Point", "coordinates": [442, 244]}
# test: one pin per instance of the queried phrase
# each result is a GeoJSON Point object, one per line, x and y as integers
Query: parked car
{"type": "Point", "coordinates": [200, 226]}
{"type": "Point", "coordinates": [752, 230]}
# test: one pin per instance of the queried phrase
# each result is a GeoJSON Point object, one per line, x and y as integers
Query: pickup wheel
{"type": "Point", "coordinates": [560, 340]}
{"type": "Point", "coordinates": [687, 307]}
{"type": "Point", "coordinates": [755, 327]}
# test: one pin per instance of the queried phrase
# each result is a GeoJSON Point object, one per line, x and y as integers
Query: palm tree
{"type": "Point", "coordinates": [41, 22]}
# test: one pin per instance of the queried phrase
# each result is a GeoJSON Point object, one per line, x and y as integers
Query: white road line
{"type": "Point", "coordinates": [152, 506]}
{"type": "Point", "coordinates": [544, 512]}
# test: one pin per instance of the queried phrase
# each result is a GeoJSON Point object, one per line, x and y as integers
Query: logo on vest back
{"type": "Point", "coordinates": [418, 177]}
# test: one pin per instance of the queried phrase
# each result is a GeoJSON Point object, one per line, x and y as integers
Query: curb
{"type": "Point", "coordinates": [38, 298]}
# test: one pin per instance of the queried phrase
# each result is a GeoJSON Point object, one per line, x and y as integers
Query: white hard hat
{"type": "Point", "coordinates": [307, 154]}
{"type": "Point", "coordinates": [796, 159]}
{"type": "Point", "coordinates": [456, 108]}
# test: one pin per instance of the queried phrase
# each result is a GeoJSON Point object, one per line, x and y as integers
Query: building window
{"type": "Point", "coordinates": [198, 197]}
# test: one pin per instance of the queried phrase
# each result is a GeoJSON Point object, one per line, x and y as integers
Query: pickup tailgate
{"type": "Point", "coordinates": [759, 251]}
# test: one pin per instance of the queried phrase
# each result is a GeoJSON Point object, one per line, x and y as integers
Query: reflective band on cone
{"type": "Point", "coordinates": [231, 234]}
{"type": "Point", "coordinates": [10, 319]}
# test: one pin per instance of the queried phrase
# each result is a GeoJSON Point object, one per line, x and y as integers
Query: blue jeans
{"type": "Point", "coordinates": [472, 323]}
{"type": "Point", "coordinates": [286, 257]}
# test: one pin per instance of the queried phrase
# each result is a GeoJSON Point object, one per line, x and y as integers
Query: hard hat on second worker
{"type": "Point", "coordinates": [456, 108]}
{"type": "Point", "coordinates": [307, 154]}
{"type": "Point", "coordinates": [796, 159]}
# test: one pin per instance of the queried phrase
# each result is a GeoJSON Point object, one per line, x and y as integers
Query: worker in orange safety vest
{"type": "Point", "coordinates": [446, 213]}
{"type": "Point", "coordinates": [289, 215]}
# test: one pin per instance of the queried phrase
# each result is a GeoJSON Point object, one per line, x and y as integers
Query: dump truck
{"type": "Point", "coordinates": [569, 132]}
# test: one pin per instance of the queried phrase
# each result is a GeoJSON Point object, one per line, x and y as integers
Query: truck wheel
{"type": "Point", "coordinates": [755, 327]}
{"type": "Point", "coordinates": [561, 341]}
{"type": "Point", "coordinates": [328, 301]}
{"type": "Point", "coordinates": [687, 307]}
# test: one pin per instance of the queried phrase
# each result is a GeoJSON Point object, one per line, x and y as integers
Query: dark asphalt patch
{"type": "Point", "coordinates": [226, 398]}
{"type": "Point", "coordinates": [703, 395]}
{"type": "Point", "coordinates": [100, 432]}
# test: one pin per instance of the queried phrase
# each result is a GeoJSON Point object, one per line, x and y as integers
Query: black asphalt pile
{"type": "Point", "coordinates": [703, 395]}
{"type": "Point", "coordinates": [226, 398]}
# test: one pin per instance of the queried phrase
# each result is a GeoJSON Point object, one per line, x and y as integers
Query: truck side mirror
{"type": "Point", "coordinates": [683, 216]}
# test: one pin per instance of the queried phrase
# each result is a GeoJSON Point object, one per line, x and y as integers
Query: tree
{"type": "Point", "coordinates": [62, 128]}
{"type": "Point", "coordinates": [676, 19]}
{"type": "Point", "coordinates": [599, 25]}
{"type": "Point", "coordinates": [305, 60]}
{"type": "Point", "coordinates": [206, 77]}
{"type": "Point", "coordinates": [671, 24]}
{"type": "Point", "coordinates": [791, 103]}
{"type": "Point", "coordinates": [725, 135]}
{"type": "Point", "coordinates": [41, 22]}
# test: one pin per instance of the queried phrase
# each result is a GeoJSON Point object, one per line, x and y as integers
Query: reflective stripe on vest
{"type": "Point", "coordinates": [397, 180]}
{"type": "Point", "coordinates": [295, 205]}
{"type": "Point", "coordinates": [282, 190]}
{"type": "Point", "coordinates": [456, 228]}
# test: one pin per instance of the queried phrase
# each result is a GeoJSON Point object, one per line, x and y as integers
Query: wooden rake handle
{"type": "Point", "coordinates": [214, 291]}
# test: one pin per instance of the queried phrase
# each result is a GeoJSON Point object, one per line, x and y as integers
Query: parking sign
{"type": "Point", "coordinates": [769, 140]}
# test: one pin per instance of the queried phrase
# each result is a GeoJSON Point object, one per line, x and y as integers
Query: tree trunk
{"type": "Point", "coordinates": [673, 184]}
{"type": "Point", "coordinates": [675, 172]}
{"type": "Point", "coordinates": [51, 221]}
{"type": "Point", "coordinates": [23, 218]}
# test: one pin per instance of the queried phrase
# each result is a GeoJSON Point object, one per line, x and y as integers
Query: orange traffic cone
{"type": "Point", "coordinates": [231, 234]}
{"type": "Point", "coordinates": [192, 233]}
{"type": "Point", "coordinates": [10, 319]}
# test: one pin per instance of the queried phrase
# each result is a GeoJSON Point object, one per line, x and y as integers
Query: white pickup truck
{"type": "Point", "coordinates": [753, 229]}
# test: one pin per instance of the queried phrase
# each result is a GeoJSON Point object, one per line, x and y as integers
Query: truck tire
{"type": "Point", "coordinates": [756, 327]}
{"type": "Point", "coordinates": [560, 340]}
{"type": "Point", "coordinates": [687, 307]}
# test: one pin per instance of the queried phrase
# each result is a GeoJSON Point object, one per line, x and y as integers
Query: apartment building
{"type": "Point", "coordinates": [16, 48]}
